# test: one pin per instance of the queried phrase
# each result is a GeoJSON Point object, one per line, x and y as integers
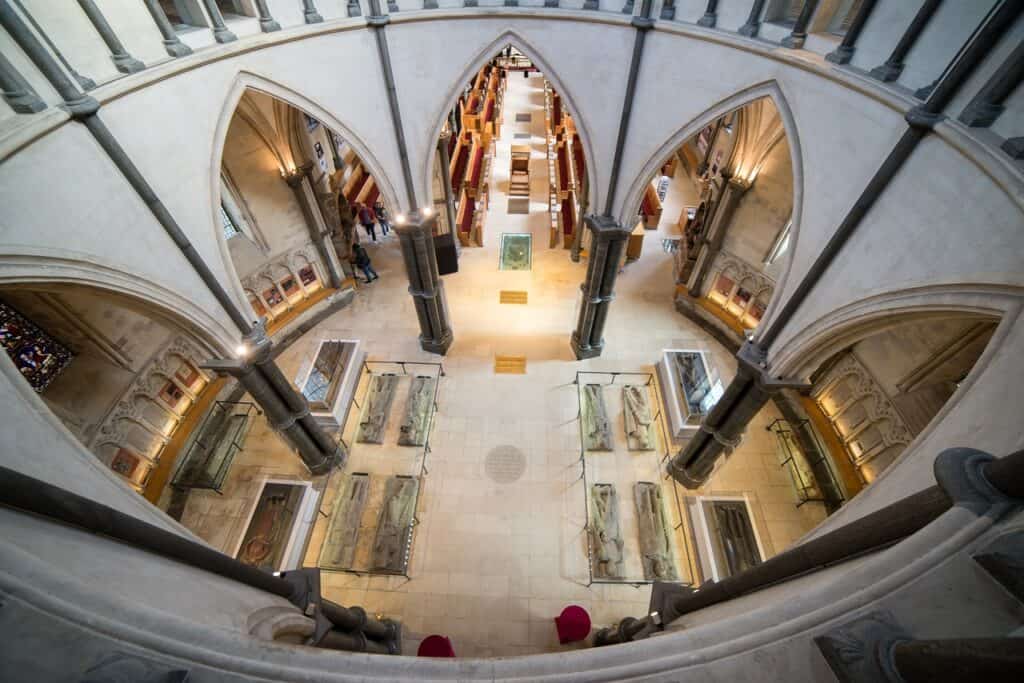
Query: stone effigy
{"type": "Point", "coordinates": [655, 546]}
{"type": "Point", "coordinates": [597, 430]}
{"type": "Point", "coordinates": [394, 524]}
{"type": "Point", "coordinates": [376, 407]}
{"type": "Point", "coordinates": [605, 536]}
{"type": "Point", "coordinates": [413, 431]}
{"type": "Point", "coordinates": [339, 547]}
{"type": "Point", "coordinates": [640, 433]}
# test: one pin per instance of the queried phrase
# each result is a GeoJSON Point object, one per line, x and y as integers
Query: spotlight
{"type": "Point", "coordinates": [400, 219]}
{"type": "Point", "coordinates": [242, 350]}
{"type": "Point", "coordinates": [427, 211]}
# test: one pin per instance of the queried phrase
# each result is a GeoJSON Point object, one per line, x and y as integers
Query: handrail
{"type": "Point", "coordinates": [868, 534]}
{"type": "Point", "coordinates": [339, 628]}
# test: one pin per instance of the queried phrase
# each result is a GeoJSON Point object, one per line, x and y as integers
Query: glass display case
{"type": "Point", "coordinates": [330, 379]}
{"type": "Point", "coordinates": [800, 468]}
{"type": "Point", "coordinates": [691, 388]}
{"type": "Point", "coordinates": [218, 440]}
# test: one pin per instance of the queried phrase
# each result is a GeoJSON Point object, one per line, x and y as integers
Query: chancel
{"type": "Point", "coordinates": [510, 333]}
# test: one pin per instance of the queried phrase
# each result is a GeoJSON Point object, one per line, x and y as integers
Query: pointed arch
{"type": "Point", "coordinates": [767, 89]}
{"type": "Point", "coordinates": [247, 80]}
{"type": "Point", "coordinates": [513, 38]}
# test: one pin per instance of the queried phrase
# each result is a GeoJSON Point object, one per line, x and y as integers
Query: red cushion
{"type": "Point", "coordinates": [435, 646]}
{"type": "Point", "coordinates": [573, 624]}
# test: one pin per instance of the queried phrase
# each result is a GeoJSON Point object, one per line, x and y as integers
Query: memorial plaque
{"type": "Point", "coordinates": [516, 250]}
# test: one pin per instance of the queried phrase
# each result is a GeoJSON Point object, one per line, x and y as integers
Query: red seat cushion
{"type": "Point", "coordinates": [573, 624]}
{"type": "Point", "coordinates": [435, 646]}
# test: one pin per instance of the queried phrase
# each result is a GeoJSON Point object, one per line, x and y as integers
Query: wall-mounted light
{"type": "Point", "coordinates": [427, 211]}
{"type": "Point", "coordinates": [400, 219]}
{"type": "Point", "coordinates": [242, 350]}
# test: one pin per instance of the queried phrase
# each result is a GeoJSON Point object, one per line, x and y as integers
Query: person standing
{"type": "Point", "coordinates": [382, 217]}
{"type": "Point", "coordinates": [366, 218]}
{"type": "Point", "coordinates": [361, 260]}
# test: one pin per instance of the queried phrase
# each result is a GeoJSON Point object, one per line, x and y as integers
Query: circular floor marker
{"type": "Point", "coordinates": [505, 464]}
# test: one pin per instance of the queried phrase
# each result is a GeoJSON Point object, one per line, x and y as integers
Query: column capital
{"type": "Point", "coordinates": [257, 343]}
{"type": "Point", "coordinates": [606, 228]}
{"type": "Point", "coordinates": [753, 363]}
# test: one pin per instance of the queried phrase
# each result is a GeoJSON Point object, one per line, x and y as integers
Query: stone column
{"type": "Point", "coordinates": [710, 17]}
{"type": "Point", "coordinates": [286, 410]}
{"type": "Point", "coordinates": [267, 23]}
{"type": "Point", "coordinates": [607, 245]}
{"type": "Point", "coordinates": [172, 43]}
{"type": "Point", "coordinates": [16, 90]}
{"type": "Point", "coordinates": [302, 185]}
{"type": "Point", "coordinates": [425, 286]}
{"type": "Point", "coordinates": [987, 105]}
{"type": "Point", "coordinates": [124, 62]}
{"type": "Point", "coordinates": [446, 179]}
{"type": "Point", "coordinates": [844, 53]}
{"type": "Point", "coordinates": [753, 24]}
{"type": "Point", "coordinates": [309, 12]}
{"type": "Point", "coordinates": [798, 35]}
{"type": "Point", "coordinates": [220, 32]}
{"type": "Point", "coordinates": [354, 10]}
{"type": "Point", "coordinates": [722, 428]}
{"type": "Point", "coordinates": [714, 235]}
{"type": "Point", "coordinates": [893, 66]}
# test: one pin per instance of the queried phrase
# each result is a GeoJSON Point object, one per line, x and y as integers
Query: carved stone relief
{"type": "Point", "coordinates": [376, 407]}
{"type": "Point", "coordinates": [605, 536]}
{"type": "Point", "coordinates": [339, 547]}
{"type": "Point", "coordinates": [394, 524]}
{"type": "Point", "coordinates": [655, 545]}
{"type": "Point", "coordinates": [413, 431]}
{"type": "Point", "coordinates": [640, 432]}
{"type": "Point", "coordinates": [597, 430]}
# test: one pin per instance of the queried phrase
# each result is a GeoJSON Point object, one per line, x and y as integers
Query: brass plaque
{"type": "Point", "coordinates": [510, 365]}
{"type": "Point", "coordinates": [509, 296]}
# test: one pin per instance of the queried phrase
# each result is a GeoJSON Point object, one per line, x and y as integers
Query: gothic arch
{"type": "Point", "coordinates": [508, 37]}
{"type": "Point", "coordinates": [753, 93]}
{"type": "Point", "coordinates": [246, 80]}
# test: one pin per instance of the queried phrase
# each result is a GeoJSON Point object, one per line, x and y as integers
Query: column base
{"type": "Point", "coordinates": [176, 48]}
{"type": "Point", "coordinates": [438, 346]}
{"type": "Point", "coordinates": [585, 351]}
{"type": "Point", "coordinates": [127, 64]}
{"type": "Point", "coordinates": [887, 72]}
{"type": "Point", "coordinates": [269, 25]}
{"type": "Point", "coordinates": [793, 41]}
{"type": "Point", "coordinates": [681, 475]}
{"type": "Point", "coordinates": [222, 35]}
{"type": "Point", "coordinates": [841, 55]}
{"type": "Point", "coordinates": [708, 20]}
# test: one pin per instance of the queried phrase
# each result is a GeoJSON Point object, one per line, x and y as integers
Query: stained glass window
{"type": "Point", "coordinates": [227, 224]}
{"type": "Point", "coordinates": [38, 356]}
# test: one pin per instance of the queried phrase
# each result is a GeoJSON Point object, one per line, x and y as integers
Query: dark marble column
{"type": "Point", "coordinates": [220, 32]}
{"type": "Point", "coordinates": [286, 410]}
{"type": "Point", "coordinates": [893, 66]}
{"type": "Point", "coordinates": [714, 235]}
{"type": "Point", "coordinates": [425, 286]}
{"type": "Point", "coordinates": [309, 12]}
{"type": "Point", "coordinates": [798, 35]}
{"type": "Point", "coordinates": [124, 62]}
{"type": "Point", "coordinates": [844, 53]}
{"type": "Point", "coordinates": [172, 43]}
{"type": "Point", "coordinates": [446, 179]}
{"type": "Point", "coordinates": [17, 92]}
{"type": "Point", "coordinates": [607, 245]}
{"type": "Point", "coordinates": [722, 428]}
{"type": "Point", "coordinates": [710, 17]}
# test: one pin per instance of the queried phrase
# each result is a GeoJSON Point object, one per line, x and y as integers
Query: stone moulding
{"type": "Point", "coordinates": [418, 408]}
{"type": "Point", "coordinates": [640, 432]}
{"type": "Point", "coordinates": [376, 407]}
{"type": "Point", "coordinates": [394, 524]}
{"type": "Point", "coordinates": [606, 556]}
{"type": "Point", "coordinates": [339, 547]}
{"type": "Point", "coordinates": [597, 431]}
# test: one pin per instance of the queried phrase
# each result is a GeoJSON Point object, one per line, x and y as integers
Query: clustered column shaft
{"type": "Point", "coordinates": [607, 246]}
{"type": "Point", "coordinates": [425, 286]}
{"type": "Point", "coordinates": [302, 186]}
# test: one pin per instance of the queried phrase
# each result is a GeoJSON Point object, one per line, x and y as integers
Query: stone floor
{"type": "Point", "coordinates": [500, 547]}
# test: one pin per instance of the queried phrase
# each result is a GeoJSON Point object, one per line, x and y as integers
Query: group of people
{"type": "Point", "coordinates": [367, 217]}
